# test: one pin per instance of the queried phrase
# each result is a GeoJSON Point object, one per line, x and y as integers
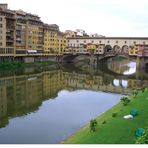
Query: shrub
{"type": "Point", "coordinates": [125, 100]}
{"type": "Point", "coordinates": [134, 93]}
{"type": "Point", "coordinates": [93, 124]}
{"type": "Point", "coordinates": [104, 122]}
{"type": "Point", "coordinates": [143, 139]}
{"type": "Point", "coordinates": [114, 114]}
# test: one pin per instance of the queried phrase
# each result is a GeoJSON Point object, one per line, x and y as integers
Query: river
{"type": "Point", "coordinates": [45, 105]}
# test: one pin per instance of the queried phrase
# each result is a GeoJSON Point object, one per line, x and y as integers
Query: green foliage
{"type": "Point", "coordinates": [104, 122]}
{"type": "Point", "coordinates": [93, 124]}
{"type": "Point", "coordinates": [134, 112]}
{"type": "Point", "coordinates": [114, 114]}
{"type": "Point", "coordinates": [134, 93]}
{"type": "Point", "coordinates": [125, 100]}
{"type": "Point", "coordinates": [143, 139]}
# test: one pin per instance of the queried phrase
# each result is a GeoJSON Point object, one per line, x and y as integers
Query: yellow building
{"type": "Point", "coordinates": [50, 38]}
{"type": "Point", "coordinates": [91, 47]}
{"type": "Point", "coordinates": [61, 42]}
{"type": "Point", "coordinates": [133, 50]}
{"type": "Point", "coordinates": [54, 40]}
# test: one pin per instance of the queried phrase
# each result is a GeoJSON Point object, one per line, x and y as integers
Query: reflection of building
{"type": "Point", "coordinates": [3, 102]}
{"type": "Point", "coordinates": [22, 94]}
{"type": "Point", "coordinates": [52, 83]}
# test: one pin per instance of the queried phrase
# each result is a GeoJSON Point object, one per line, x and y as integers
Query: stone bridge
{"type": "Point", "coordinates": [102, 48]}
{"type": "Point", "coordinates": [94, 59]}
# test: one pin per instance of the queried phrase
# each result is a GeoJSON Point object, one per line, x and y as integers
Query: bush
{"type": "Point", "coordinates": [134, 93]}
{"type": "Point", "coordinates": [114, 114]}
{"type": "Point", "coordinates": [93, 124]}
{"type": "Point", "coordinates": [125, 100]}
{"type": "Point", "coordinates": [143, 139]}
{"type": "Point", "coordinates": [104, 122]}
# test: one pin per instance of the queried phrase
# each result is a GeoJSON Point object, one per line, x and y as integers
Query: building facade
{"type": "Point", "coordinates": [101, 45]}
{"type": "Point", "coordinates": [50, 38]}
{"type": "Point", "coordinates": [29, 34]}
{"type": "Point", "coordinates": [7, 33]}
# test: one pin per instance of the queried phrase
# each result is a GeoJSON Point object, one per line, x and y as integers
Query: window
{"type": "Point", "coordinates": [144, 42]}
{"type": "Point", "coordinates": [99, 41]}
{"type": "Point", "coordinates": [1, 25]}
{"type": "Point", "coordinates": [125, 42]}
{"type": "Point", "coordinates": [107, 41]}
{"type": "Point", "coordinates": [134, 42]}
{"type": "Point", "coordinates": [84, 41]}
{"type": "Point", "coordinates": [116, 41]}
{"type": "Point", "coordinates": [1, 18]}
{"type": "Point", "coordinates": [92, 41]}
{"type": "Point", "coordinates": [77, 41]}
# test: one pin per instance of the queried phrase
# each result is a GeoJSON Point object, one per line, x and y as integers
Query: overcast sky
{"type": "Point", "coordinates": [105, 17]}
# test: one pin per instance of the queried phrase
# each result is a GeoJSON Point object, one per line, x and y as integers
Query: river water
{"type": "Point", "coordinates": [48, 104]}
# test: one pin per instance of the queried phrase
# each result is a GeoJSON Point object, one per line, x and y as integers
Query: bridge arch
{"type": "Point", "coordinates": [124, 49]}
{"type": "Point", "coordinates": [124, 83]}
{"type": "Point", "coordinates": [116, 49]}
{"type": "Point", "coordinates": [115, 83]}
{"type": "Point", "coordinates": [108, 48]}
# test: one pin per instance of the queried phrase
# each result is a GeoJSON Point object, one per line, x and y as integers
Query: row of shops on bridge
{"type": "Point", "coordinates": [139, 50]}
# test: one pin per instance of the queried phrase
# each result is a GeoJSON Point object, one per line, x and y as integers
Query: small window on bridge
{"type": "Point", "coordinates": [99, 41]}
{"type": "Point", "coordinates": [144, 42]}
{"type": "Point", "coordinates": [107, 41]}
{"type": "Point", "coordinates": [125, 42]}
{"type": "Point", "coordinates": [134, 42]}
{"type": "Point", "coordinates": [116, 41]}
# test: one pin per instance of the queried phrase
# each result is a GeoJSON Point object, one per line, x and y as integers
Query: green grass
{"type": "Point", "coordinates": [15, 65]}
{"type": "Point", "coordinates": [116, 130]}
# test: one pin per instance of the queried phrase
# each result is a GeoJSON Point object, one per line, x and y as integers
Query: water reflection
{"type": "Point", "coordinates": [23, 92]}
{"type": "Point", "coordinates": [122, 66]}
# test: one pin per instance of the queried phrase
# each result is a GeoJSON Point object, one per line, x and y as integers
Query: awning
{"type": "Point", "coordinates": [31, 51]}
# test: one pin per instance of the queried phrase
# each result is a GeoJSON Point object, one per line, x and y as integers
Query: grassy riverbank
{"type": "Point", "coordinates": [15, 65]}
{"type": "Point", "coordinates": [116, 130]}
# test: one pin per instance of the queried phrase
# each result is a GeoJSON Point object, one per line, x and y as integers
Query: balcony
{"type": "Point", "coordinates": [9, 40]}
